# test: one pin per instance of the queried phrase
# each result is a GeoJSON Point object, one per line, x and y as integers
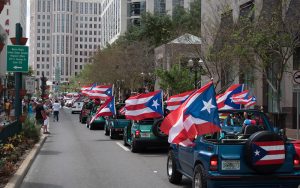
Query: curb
{"type": "Point", "coordinates": [18, 177]}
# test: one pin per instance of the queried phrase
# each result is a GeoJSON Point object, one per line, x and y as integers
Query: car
{"type": "Point", "coordinates": [77, 107]}
{"type": "Point", "coordinates": [69, 102]}
{"type": "Point", "coordinates": [98, 123]}
{"type": "Point", "coordinates": [144, 133]}
{"type": "Point", "coordinates": [87, 106]}
{"type": "Point", "coordinates": [255, 155]}
{"type": "Point", "coordinates": [114, 125]}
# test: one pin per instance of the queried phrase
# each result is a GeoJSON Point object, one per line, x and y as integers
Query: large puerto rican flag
{"type": "Point", "coordinates": [224, 100]}
{"type": "Point", "coordinates": [198, 115]}
{"type": "Point", "coordinates": [268, 153]}
{"type": "Point", "coordinates": [101, 92]}
{"type": "Point", "coordinates": [244, 98]}
{"type": "Point", "coordinates": [144, 106]}
{"type": "Point", "coordinates": [175, 101]}
{"type": "Point", "coordinates": [107, 109]}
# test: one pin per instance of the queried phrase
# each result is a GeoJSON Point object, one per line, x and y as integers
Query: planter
{"type": "Point", "coordinates": [23, 41]}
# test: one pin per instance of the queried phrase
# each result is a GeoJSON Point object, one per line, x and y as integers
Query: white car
{"type": "Point", "coordinates": [76, 107]}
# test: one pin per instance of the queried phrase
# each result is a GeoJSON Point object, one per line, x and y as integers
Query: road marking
{"type": "Point", "coordinates": [121, 145]}
{"type": "Point", "coordinates": [155, 171]}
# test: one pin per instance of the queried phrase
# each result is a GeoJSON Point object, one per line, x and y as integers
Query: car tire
{"type": "Point", "coordinates": [112, 135]}
{"type": "Point", "coordinates": [106, 132]}
{"type": "Point", "coordinates": [124, 139]}
{"type": "Point", "coordinates": [199, 178]}
{"type": "Point", "coordinates": [174, 176]}
{"type": "Point", "coordinates": [252, 144]}
{"type": "Point", "coordinates": [91, 127]}
{"type": "Point", "coordinates": [134, 147]}
{"type": "Point", "coordinates": [156, 129]}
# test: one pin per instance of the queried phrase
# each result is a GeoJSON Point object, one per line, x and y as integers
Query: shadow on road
{"type": "Point", "coordinates": [39, 185]}
{"type": "Point", "coordinates": [104, 140]}
{"type": "Point", "coordinates": [152, 152]}
{"type": "Point", "coordinates": [49, 152]}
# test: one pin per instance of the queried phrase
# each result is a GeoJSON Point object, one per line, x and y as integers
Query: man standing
{"type": "Point", "coordinates": [56, 106]}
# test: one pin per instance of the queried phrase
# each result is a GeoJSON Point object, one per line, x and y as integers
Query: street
{"type": "Point", "coordinates": [73, 156]}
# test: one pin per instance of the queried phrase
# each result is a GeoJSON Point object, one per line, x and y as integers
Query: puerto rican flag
{"type": "Point", "coordinates": [241, 98]}
{"type": "Point", "coordinates": [198, 115]}
{"type": "Point", "coordinates": [144, 106]}
{"type": "Point", "coordinates": [268, 153]}
{"type": "Point", "coordinates": [176, 100]}
{"type": "Point", "coordinates": [122, 110]}
{"type": "Point", "coordinates": [224, 100]}
{"type": "Point", "coordinates": [251, 102]}
{"type": "Point", "coordinates": [107, 109]}
{"type": "Point", "coordinates": [85, 89]}
{"type": "Point", "coordinates": [101, 92]}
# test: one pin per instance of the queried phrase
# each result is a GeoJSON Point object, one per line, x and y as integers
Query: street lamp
{"type": "Point", "coordinates": [194, 67]}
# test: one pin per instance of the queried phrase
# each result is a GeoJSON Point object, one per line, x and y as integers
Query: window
{"type": "Point", "coordinates": [37, 66]}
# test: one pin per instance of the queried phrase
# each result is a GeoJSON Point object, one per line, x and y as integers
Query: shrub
{"type": "Point", "coordinates": [31, 131]}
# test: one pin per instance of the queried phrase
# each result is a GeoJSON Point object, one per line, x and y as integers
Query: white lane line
{"type": "Point", "coordinates": [123, 147]}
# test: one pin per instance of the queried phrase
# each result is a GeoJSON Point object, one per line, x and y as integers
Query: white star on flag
{"type": "Point", "coordinates": [207, 106]}
{"type": "Point", "coordinates": [108, 92]}
{"type": "Point", "coordinates": [256, 152]}
{"type": "Point", "coordinates": [155, 103]}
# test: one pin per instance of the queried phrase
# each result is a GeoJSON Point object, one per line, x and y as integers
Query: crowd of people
{"type": "Point", "coordinates": [36, 109]}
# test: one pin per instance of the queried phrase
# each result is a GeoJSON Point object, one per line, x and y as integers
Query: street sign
{"type": "Point", "coordinates": [296, 77]}
{"type": "Point", "coordinates": [17, 58]}
{"type": "Point", "coordinates": [30, 84]}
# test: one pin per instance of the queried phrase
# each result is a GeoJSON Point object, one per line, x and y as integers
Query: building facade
{"type": "Point", "coordinates": [64, 35]}
{"type": "Point", "coordinates": [217, 15]}
{"type": "Point", "coordinates": [118, 15]}
{"type": "Point", "coordinates": [113, 20]}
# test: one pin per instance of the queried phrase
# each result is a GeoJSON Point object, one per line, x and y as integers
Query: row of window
{"type": "Point", "coordinates": [85, 32]}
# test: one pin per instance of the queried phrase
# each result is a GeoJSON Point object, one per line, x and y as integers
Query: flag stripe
{"type": "Point", "coordinates": [270, 162]}
{"type": "Point", "coordinates": [269, 143]}
{"type": "Point", "coordinates": [143, 116]}
{"type": "Point", "coordinates": [138, 111]}
{"type": "Point", "coordinates": [272, 148]}
{"type": "Point", "coordinates": [136, 107]}
{"type": "Point", "coordinates": [172, 108]}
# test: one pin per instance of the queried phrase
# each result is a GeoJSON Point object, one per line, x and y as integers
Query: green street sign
{"type": "Point", "coordinates": [17, 58]}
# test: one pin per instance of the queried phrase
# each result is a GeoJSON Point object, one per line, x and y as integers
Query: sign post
{"type": "Point", "coordinates": [296, 78]}
{"type": "Point", "coordinates": [17, 61]}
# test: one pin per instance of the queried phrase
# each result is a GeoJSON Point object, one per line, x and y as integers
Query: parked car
{"type": "Point", "coordinates": [145, 133]}
{"type": "Point", "coordinates": [114, 125]}
{"type": "Point", "coordinates": [87, 106]}
{"type": "Point", "coordinates": [255, 155]}
{"type": "Point", "coordinates": [98, 123]}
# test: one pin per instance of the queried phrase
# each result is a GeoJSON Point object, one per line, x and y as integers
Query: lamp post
{"type": "Point", "coordinates": [194, 67]}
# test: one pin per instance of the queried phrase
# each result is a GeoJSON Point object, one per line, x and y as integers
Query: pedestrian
{"type": "Point", "coordinates": [7, 108]}
{"type": "Point", "coordinates": [39, 114]}
{"type": "Point", "coordinates": [56, 107]}
{"type": "Point", "coordinates": [46, 122]}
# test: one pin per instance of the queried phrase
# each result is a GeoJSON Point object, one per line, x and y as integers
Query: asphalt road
{"type": "Point", "coordinates": [75, 157]}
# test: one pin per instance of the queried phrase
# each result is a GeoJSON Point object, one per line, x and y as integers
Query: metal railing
{"type": "Point", "coordinates": [10, 130]}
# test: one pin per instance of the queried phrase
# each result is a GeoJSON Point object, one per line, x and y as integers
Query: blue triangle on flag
{"type": "Point", "coordinates": [155, 103]}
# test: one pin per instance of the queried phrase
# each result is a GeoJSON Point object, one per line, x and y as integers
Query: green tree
{"type": "Point", "coordinates": [177, 80]}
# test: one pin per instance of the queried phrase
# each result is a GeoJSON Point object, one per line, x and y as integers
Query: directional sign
{"type": "Point", "coordinates": [17, 58]}
{"type": "Point", "coordinates": [296, 77]}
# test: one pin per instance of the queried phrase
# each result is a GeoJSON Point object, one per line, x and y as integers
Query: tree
{"type": "Point", "coordinates": [177, 80]}
{"type": "Point", "coordinates": [272, 42]}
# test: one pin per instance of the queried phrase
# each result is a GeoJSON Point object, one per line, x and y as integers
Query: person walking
{"type": "Point", "coordinates": [56, 107]}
